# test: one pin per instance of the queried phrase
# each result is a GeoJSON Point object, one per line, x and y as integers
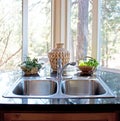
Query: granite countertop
{"type": "Point", "coordinates": [111, 79]}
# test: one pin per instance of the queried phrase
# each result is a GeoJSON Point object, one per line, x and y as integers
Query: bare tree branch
{"type": "Point", "coordinates": [6, 45]}
{"type": "Point", "coordinates": [11, 56]}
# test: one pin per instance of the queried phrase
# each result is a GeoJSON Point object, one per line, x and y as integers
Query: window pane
{"type": "Point", "coordinates": [110, 33]}
{"type": "Point", "coordinates": [39, 28]}
{"type": "Point", "coordinates": [81, 22]}
{"type": "Point", "coordinates": [10, 34]}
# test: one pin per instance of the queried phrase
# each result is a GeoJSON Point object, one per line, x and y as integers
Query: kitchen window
{"type": "Point", "coordinates": [110, 34]}
{"type": "Point", "coordinates": [37, 25]}
{"type": "Point", "coordinates": [81, 28]}
{"type": "Point", "coordinates": [10, 34]}
{"type": "Point", "coordinates": [25, 30]}
{"type": "Point", "coordinates": [101, 29]}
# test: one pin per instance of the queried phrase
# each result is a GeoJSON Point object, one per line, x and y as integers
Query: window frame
{"type": "Point", "coordinates": [24, 29]}
{"type": "Point", "coordinates": [60, 26]}
{"type": "Point", "coordinates": [96, 29]}
{"type": "Point", "coordinates": [61, 29]}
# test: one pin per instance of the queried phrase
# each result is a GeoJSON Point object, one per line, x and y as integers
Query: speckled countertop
{"type": "Point", "coordinates": [110, 78]}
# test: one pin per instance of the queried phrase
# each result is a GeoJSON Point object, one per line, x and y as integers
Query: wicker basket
{"type": "Point", "coordinates": [87, 70]}
{"type": "Point", "coordinates": [28, 72]}
{"type": "Point", "coordinates": [58, 53]}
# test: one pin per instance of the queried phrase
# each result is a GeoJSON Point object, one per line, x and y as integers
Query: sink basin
{"type": "Point", "coordinates": [82, 87]}
{"type": "Point", "coordinates": [36, 87]}
{"type": "Point", "coordinates": [92, 88]}
{"type": "Point", "coordinates": [53, 89]}
{"type": "Point", "coordinates": [29, 88]}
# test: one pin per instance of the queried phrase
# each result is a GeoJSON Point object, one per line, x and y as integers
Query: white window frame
{"type": "Point", "coordinates": [60, 26]}
{"type": "Point", "coordinates": [96, 29]}
{"type": "Point", "coordinates": [59, 22]}
{"type": "Point", "coordinates": [24, 29]}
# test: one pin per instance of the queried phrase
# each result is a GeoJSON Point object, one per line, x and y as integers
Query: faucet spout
{"type": "Point", "coordinates": [60, 68]}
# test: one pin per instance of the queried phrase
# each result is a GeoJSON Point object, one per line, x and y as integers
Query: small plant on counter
{"type": "Point", "coordinates": [30, 66]}
{"type": "Point", "coordinates": [91, 62]}
{"type": "Point", "coordinates": [88, 65]}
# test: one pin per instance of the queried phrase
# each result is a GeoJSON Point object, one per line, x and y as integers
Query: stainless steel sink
{"type": "Point", "coordinates": [36, 87]}
{"type": "Point", "coordinates": [82, 87]}
{"type": "Point", "coordinates": [85, 88]}
{"type": "Point", "coordinates": [32, 88]}
{"type": "Point", "coordinates": [79, 87]}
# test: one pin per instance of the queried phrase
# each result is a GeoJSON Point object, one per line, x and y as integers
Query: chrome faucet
{"type": "Point", "coordinates": [60, 68]}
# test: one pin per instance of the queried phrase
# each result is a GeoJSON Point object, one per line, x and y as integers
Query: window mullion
{"type": "Point", "coordinates": [59, 22]}
{"type": "Point", "coordinates": [69, 43]}
{"type": "Point", "coordinates": [24, 29]}
{"type": "Point", "coordinates": [96, 29]}
{"type": "Point", "coordinates": [56, 15]}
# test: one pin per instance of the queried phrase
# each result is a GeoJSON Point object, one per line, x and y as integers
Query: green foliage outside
{"type": "Point", "coordinates": [10, 34]}
{"type": "Point", "coordinates": [39, 31]}
{"type": "Point", "coordinates": [110, 33]}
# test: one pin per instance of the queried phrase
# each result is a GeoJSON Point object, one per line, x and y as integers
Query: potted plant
{"type": "Point", "coordinates": [88, 65]}
{"type": "Point", "coordinates": [30, 66]}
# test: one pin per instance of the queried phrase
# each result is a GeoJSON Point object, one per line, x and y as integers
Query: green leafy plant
{"type": "Point", "coordinates": [88, 66]}
{"type": "Point", "coordinates": [30, 66]}
{"type": "Point", "coordinates": [90, 62]}
{"type": "Point", "coordinates": [30, 63]}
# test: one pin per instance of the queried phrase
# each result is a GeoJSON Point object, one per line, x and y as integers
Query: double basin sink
{"type": "Point", "coordinates": [80, 87]}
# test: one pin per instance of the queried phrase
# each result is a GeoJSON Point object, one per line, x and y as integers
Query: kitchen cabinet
{"type": "Point", "coordinates": [59, 116]}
